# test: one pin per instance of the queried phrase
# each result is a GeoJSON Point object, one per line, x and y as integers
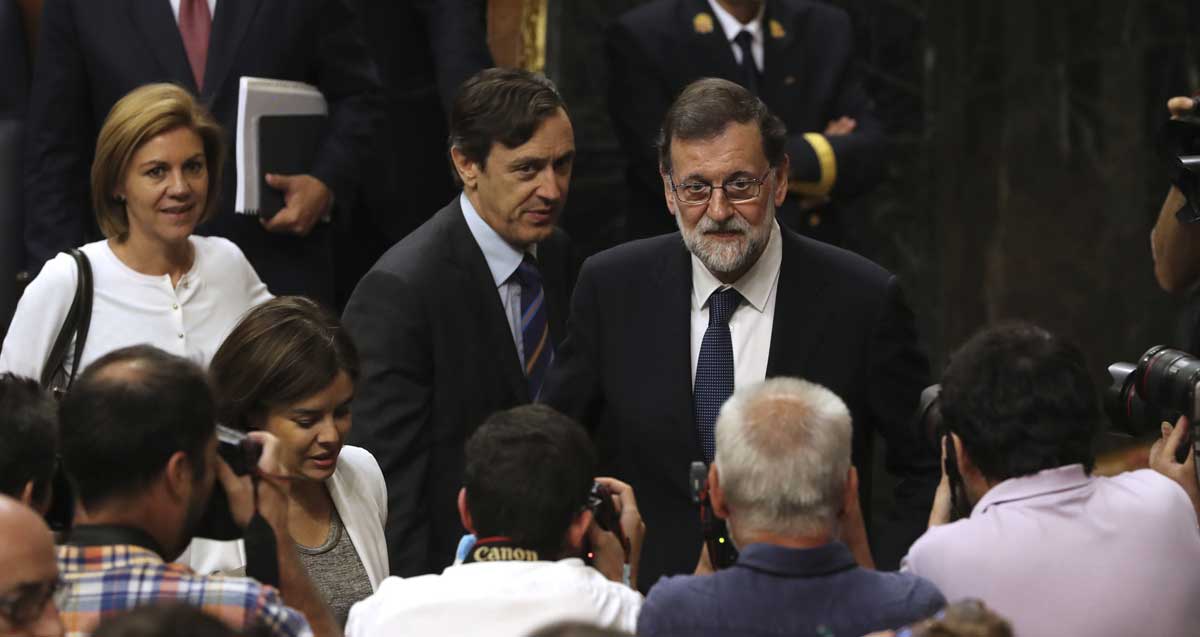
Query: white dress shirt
{"type": "Point", "coordinates": [732, 28]}
{"type": "Point", "coordinates": [751, 324]}
{"type": "Point", "coordinates": [495, 599]}
{"type": "Point", "coordinates": [212, 8]}
{"type": "Point", "coordinates": [1061, 553]}
{"type": "Point", "coordinates": [189, 319]}
{"type": "Point", "coordinates": [503, 260]}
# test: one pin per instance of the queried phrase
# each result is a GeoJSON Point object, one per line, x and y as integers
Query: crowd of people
{"type": "Point", "coordinates": [674, 439]}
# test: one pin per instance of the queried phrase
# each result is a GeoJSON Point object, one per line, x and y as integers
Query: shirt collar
{"type": "Point", "coordinates": [772, 558]}
{"type": "Point", "coordinates": [1044, 482]}
{"type": "Point", "coordinates": [732, 26]}
{"type": "Point", "coordinates": [502, 259]}
{"type": "Point", "coordinates": [755, 285]}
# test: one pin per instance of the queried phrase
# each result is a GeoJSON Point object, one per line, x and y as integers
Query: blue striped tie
{"type": "Point", "coordinates": [714, 371]}
{"type": "Point", "coordinates": [535, 329]}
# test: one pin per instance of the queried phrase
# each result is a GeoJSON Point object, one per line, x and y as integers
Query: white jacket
{"type": "Point", "coordinates": [360, 496]}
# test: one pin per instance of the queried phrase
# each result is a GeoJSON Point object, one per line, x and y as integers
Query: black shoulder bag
{"type": "Point", "coordinates": [57, 379]}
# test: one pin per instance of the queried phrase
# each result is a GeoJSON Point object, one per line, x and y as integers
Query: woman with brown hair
{"type": "Point", "coordinates": [155, 177]}
{"type": "Point", "coordinates": [289, 368]}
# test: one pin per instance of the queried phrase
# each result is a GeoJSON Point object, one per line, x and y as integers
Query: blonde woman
{"type": "Point", "coordinates": [155, 176]}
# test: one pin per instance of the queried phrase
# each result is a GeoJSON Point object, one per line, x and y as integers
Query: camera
{"type": "Point", "coordinates": [928, 419]}
{"type": "Point", "coordinates": [600, 503]}
{"type": "Point", "coordinates": [241, 453]}
{"type": "Point", "coordinates": [721, 551]}
{"type": "Point", "coordinates": [1183, 161]}
{"type": "Point", "coordinates": [1159, 388]}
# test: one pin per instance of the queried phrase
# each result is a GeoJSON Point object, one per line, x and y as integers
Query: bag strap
{"type": "Point", "coordinates": [79, 318]}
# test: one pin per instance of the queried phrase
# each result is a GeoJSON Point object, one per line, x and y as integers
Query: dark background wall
{"type": "Point", "coordinates": [1023, 179]}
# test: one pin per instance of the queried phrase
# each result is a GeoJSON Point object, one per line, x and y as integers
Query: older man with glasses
{"type": "Point", "coordinates": [663, 330]}
{"type": "Point", "coordinates": [28, 573]}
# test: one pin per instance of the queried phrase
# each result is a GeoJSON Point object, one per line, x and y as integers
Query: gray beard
{"type": "Point", "coordinates": [722, 257]}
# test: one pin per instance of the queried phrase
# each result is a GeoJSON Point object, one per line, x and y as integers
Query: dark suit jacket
{"type": "Point", "coordinates": [437, 359]}
{"type": "Point", "coordinates": [809, 78]}
{"type": "Point", "coordinates": [625, 371]}
{"type": "Point", "coordinates": [90, 54]}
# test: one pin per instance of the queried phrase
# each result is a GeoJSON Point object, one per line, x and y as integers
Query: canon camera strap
{"type": "Point", "coordinates": [500, 549]}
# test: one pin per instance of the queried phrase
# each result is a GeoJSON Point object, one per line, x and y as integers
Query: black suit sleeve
{"type": "Point", "coordinates": [458, 35]}
{"type": "Point", "coordinates": [573, 383]}
{"type": "Point", "coordinates": [59, 140]}
{"type": "Point", "coordinates": [859, 155]}
{"type": "Point", "coordinates": [897, 371]}
{"type": "Point", "coordinates": [347, 76]}
{"type": "Point", "coordinates": [392, 407]}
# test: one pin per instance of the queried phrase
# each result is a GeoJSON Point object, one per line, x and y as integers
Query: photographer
{"type": "Point", "coordinates": [1175, 245]}
{"type": "Point", "coordinates": [783, 481]}
{"type": "Point", "coordinates": [29, 431]}
{"type": "Point", "coordinates": [526, 497]}
{"type": "Point", "coordinates": [1051, 547]}
{"type": "Point", "coordinates": [138, 445]}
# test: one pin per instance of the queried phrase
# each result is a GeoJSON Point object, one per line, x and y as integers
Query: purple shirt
{"type": "Point", "coordinates": [1060, 553]}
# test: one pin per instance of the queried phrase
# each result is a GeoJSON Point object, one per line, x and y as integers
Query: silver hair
{"type": "Point", "coordinates": [783, 453]}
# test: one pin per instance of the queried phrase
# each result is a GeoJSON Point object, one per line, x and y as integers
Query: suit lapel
{"type": "Point", "coordinates": [672, 332]}
{"type": "Point", "coordinates": [484, 303]}
{"type": "Point", "coordinates": [707, 39]}
{"type": "Point", "coordinates": [798, 309]}
{"type": "Point", "coordinates": [160, 32]}
{"type": "Point", "coordinates": [784, 62]}
{"type": "Point", "coordinates": [232, 20]}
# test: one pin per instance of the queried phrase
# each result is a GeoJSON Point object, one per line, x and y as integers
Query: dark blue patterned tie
{"type": "Point", "coordinates": [535, 330]}
{"type": "Point", "coordinates": [714, 371]}
{"type": "Point", "coordinates": [749, 70]}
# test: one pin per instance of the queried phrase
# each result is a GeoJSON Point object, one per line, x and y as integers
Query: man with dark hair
{"type": "Point", "coordinates": [28, 441]}
{"type": "Point", "coordinates": [797, 55]}
{"type": "Point", "coordinates": [139, 447]}
{"type": "Point", "coordinates": [1051, 547]}
{"type": "Point", "coordinates": [529, 472]}
{"type": "Point", "coordinates": [664, 329]}
{"type": "Point", "coordinates": [464, 315]}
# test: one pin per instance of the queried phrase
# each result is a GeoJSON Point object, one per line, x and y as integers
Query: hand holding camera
{"type": "Point", "coordinates": [617, 530]}
{"type": "Point", "coordinates": [256, 453]}
{"type": "Point", "coordinates": [1164, 458]}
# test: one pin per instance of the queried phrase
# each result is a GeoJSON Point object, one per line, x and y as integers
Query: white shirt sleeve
{"type": "Point", "coordinates": [39, 318]}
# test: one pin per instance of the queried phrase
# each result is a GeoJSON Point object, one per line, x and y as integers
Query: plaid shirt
{"type": "Point", "coordinates": [105, 580]}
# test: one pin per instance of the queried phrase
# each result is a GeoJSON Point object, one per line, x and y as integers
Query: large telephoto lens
{"type": "Point", "coordinates": [1167, 378]}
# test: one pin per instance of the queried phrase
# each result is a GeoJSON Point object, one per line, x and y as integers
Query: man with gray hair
{"type": "Point", "coordinates": [783, 481]}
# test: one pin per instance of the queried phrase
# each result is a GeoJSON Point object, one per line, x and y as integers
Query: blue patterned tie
{"type": "Point", "coordinates": [535, 330]}
{"type": "Point", "coordinates": [714, 371]}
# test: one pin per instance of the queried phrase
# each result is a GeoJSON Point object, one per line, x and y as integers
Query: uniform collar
{"type": "Point", "coordinates": [1044, 482]}
{"type": "Point", "coordinates": [732, 26]}
{"type": "Point", "coordinates": [755, 285]}
{"type": "Point", "coordinates": [502, 259]}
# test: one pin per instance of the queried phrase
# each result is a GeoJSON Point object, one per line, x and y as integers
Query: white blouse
{"type": "Point", "coordinates": [190, 319]}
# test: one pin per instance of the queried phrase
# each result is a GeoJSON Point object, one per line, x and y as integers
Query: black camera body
{"type": "Point", "coordinates": [721, 551]}
{"type": "Point", "coordinates": [928, 419]}
{"type": "Point", "coordinates": [1183, 161]}
{"type": "Point", "coordinates": [241, 453]}
{"type": "Point", "coordinates": [1161, 387]}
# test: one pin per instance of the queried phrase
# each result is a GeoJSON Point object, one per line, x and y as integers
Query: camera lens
{"type": "Point", "coordinates": [1167, 377]}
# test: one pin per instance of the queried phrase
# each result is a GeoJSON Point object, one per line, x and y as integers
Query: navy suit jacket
{"type": "Point", "coordinates": [437, 359]}
{"type": "Point", "coordinates": [625, 371]}
{"type": "Point", "coordinates": [90, 54]}
{"type": "Point", "coordinates": [809, 78]}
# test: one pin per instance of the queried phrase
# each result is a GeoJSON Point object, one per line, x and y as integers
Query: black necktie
{"type": "Point", "coordinates": [748, 68]}
{"type": "Point", "coordinates": [714, 370]}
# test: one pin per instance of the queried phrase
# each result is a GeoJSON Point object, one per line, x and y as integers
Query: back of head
{"type": "Point", "coordinates": [1021, 401]}
{"type": "Point", "coordinates": [163, 620]}
{"type": "Point", "coordinates": [143, 114]}
{"type": "Point", "coordinates": [528, 472]}
{"type": "Point", "coordinates": [783, 454]}
{"type": "Point", "coordinates": [28, 437]}
{"type": "Point", "coordinates": [126, 415]}
{"type": "Point", "coordinates": [576, 629]}
{"type": "Point", "coordinates": [966, 618]}
{"type": "Point", "coordinates": [281, 352]}
{"type": "Point", "coordinates": [500, 105]}
{"type": "Point", "coordinates": [707, 106]}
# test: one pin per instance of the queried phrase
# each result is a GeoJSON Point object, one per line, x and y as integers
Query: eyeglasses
{"type": "Point", "coordinates": [738, 190]}
{"type": "Point", "coordinates": [23, 604]}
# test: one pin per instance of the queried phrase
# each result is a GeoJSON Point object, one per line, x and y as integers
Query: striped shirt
{"type": "Point", "coordinates": [106, 580]}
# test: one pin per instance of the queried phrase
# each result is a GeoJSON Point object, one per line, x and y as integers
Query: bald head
{"type": "Point", "coordinates": [26, 557]}
{"type": "Point", "coordinates": [783, 455]}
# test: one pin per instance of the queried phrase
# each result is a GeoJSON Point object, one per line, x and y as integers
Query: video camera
{"type": "Point", "coordinates": [1159, 388]}
{"type": "Point", "coordinates": [1183, 161]}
